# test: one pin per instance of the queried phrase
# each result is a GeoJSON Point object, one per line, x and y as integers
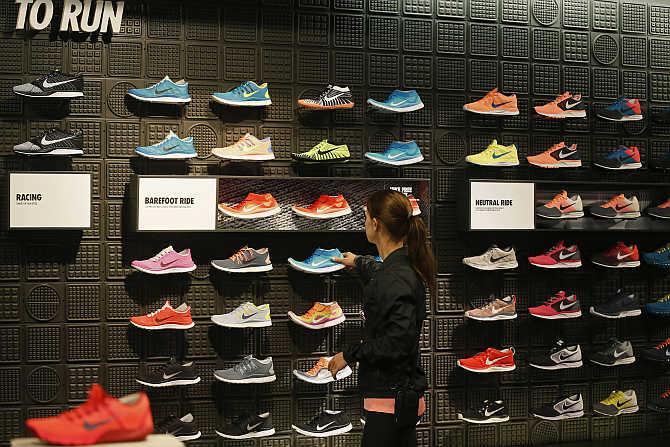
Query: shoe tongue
{"type": "Point", "coordinates": [560, 294]}
{"type": "Point", "coordinates": [96, 393]}
{"type": "Point", "coordinates": [564, 193]}
{"type": "Point", "coordinates": [494, 143]}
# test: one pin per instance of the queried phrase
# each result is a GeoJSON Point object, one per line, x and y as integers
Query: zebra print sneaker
{"type": "Point", "coordinates": [333, 97]}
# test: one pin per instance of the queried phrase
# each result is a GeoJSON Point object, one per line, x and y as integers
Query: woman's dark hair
{"type": "Point", "coordinates": [394, 210]}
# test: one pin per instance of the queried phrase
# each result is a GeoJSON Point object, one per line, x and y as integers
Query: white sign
{"type": "Point", "coordinates": [49, 200]}
{"type": "Point", "coordinates": [502, 206]}
{"type": "Point", "coordinates": [78, 15]}
{"type": "Point", "coordinates": [176, 204]}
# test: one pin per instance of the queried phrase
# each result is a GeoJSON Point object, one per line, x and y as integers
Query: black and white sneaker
{"type": "Point", "coordinates": [53, 142]}
{"type": "Point", "coordinates": [247, 426]}
{"type": "Point", "coordinates": [55, 84]}
{"type": "Point", "coordinates": [324, 424]}
{"type": "Point", "coordinates": [560, 356]}
{"type": "Point", "coordinates": [332, 98]}
{"type": "Point", "coordinates": [615, 353]}
{"type": "Point", "coordinates": [565, 408]}
{"type": "Point", "coordinates": [173, 373]}
{"type": "Point", "coordinates": [181, 428]}
{"type": "Point", "coordinates": [488, 412]}
{"type": "Point", "coordinates": [620, 306]}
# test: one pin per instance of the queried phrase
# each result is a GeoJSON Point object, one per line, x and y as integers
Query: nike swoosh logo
{"type": "Point", "coordinates": [562, 307]}
{"type": "Point", "coordinates": [166, 263]}
{"type": "Point", "coordinates": [323, 427]}
{"type": "Point", "coordinates": [244, 317]}
{"type": "Point", "coordinates": [495, 106]}
{"type": "Point", "coordinates": [565, 406]}
{"type": "Point", "coordinates": [246, 95]}
{"type": "Point", "coordinates": [620, 404]}
{"type": "Point", "coordinates": [395, 156]}
{"type": "Point", "coordinates": [497, 259]}
{"type": "Point", "coordinates": [500, 155]}
{"type": "Point", "coordinates": [325, 151]}
{"type": "Point", "coordinates": [90, 426]}
{"type": "Point", "coordinates": [619, 257]}
{"type": "Point", "coordinates": [491, 362]}
{"type": "Point", "coordinates": [569, 255]}
{"type": "Point", "coordinates": [316, 264]}
{"type": "Point", "coordinates": [324, 208]}
{"type": "Point", "coordinates": [46, 142]}
{"type": "Point", "coordinates": [570, 106]}
{"type": "Point", "coordinates": [487, 413]}
{"type": "Point", "coordinates": [619, 208]}
{"type": "Point", "coordinates": [564, 155]}
{"type": "Point", "coordinates": [251, 427]}
{"type": "Point", "coordinates": [246, 209]}
{"type": "Point", "coordinates": [399, 103]}
{"type": "Point", "coordinates": [169, 376]}
{"type": "Point", "coordinates": [563, 208]}
{"type": "Point", "coordinates": [47, 84]}
{"type": "Point", "coordinates": [618, 354]}
{"type": "Point", "coordinates": [561, 357]}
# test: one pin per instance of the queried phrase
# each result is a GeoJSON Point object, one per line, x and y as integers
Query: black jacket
{"type": "Point", "coordinates": [394, 307]}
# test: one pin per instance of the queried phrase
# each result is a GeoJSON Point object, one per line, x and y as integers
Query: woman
{"type": "Point", "coordinates": [390, 375]}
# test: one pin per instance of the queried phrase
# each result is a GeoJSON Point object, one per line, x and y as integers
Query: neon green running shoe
{"type": "Point", "coordinates": [324, 152]}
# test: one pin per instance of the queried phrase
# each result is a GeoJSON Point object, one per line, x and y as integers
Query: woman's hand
{"type": "Point", "coordinates": [337, 362]}
{"type": "Point", "coordinates": [348, 259]}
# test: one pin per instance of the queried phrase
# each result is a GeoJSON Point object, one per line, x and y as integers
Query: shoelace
{"type": "Point", "coordinates": [665, 394]}
{"type": "Point", "coordinates": [245, 308]}
{"type": "Point", "coordinates": [321, 364]}
{"type": "Point", "coordinates": [245, 87]}
{"type": "Point", "coordinates": [324, 93]}
{"type": "Point", "coordinates": [554, 147]}
{"type": "Point", "coordinates": [322, 145]}
{"type": "Point", "coordinates": [561, 97]}
{"type": "Point", "coordinates": [165, 306]}
{"type": "Point", "coordinates": [554, 299]}
{"type": "Point", "coordinates": [664, 298]}
{"type": "Point", "coordinates": [310, 313]}
{"type": "Point", "coordinates": [558, 198]}
{"type": "Point", "coordinates": [243, 142]}
{"type": "Point", "coordinates": [95, 401]}
{"type": "Point", "coordinates": [161, 253]}
{"type": "Point", "coordinates": [243, 255]}
{"type": "Point", "coordinates": [612, 202]}
{"type": "Point", "coordinates": [663, 249]}
{"type": "Point", "coordinates": [663, 344]}
{"type": "Point", "coordinates": [245, 365]}
{"type": "Point", "coordinates": [613, 398]}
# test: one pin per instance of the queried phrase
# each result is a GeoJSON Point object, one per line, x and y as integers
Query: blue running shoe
{"type": "Point", "coordinates": [319, 262]}
{"type": "Point", "coordinates": [397, 154]}
{"type": "Point", "coordinates": [623, 110]}
{"type": "Point", "coordinates": [172, 148]}
{"type": "Point", "coordinates": [660, 307]}
{"type": "Point", "coordinates": [246, 94]}
{"type": "Point", "coordinates": [658, 258]}
{"type": "Point", "coordinates": [621, 158]}
{"type": "Point", "coordinates": [399, 101]}
{"type": "Point", "coordinates": [164, 92]}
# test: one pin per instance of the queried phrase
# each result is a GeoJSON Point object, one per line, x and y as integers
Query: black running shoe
{"type": "Point", "coordinates": [662, 404]}
{"type": "Point", "coordinates": [250, 425]}
{"type": "Point", "coordinates": [53, 85]}
{"type": "Point", "coordinates": [488, 412]}
{"type": "Point", "coordinates": [615, 353]}
{"type": "Point", "coordinates": [564, 408]}
{"type": "Point", "coordinates": [324, 424]}
{"type": "Point", "coordinates": [181, 428]}
{"type": "Point", "coordinates": [53, 142]}
{"type": "Point", "coordinates": [620, 306]}
{"type": "Point", "coordinates": [560, 356]}
{"type": "Point", "coordinates": [659, 353]}
{"type": "Point", "coordinates": [173, 373]}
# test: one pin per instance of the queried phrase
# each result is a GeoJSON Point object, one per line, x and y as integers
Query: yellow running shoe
{"type": "Point", "coordinates": [495, 155]}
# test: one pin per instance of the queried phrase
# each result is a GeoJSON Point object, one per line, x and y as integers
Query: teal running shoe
{"type": "Point", "coordinates": [318, 262]}
{"type": "Point", "coordinates": [246, 94]}
{"type": "Point", "coordinates": [163, 92]}
{"type": "Point", "coordinates": [398, 153]}
{"type": "Point", "coordinates": [399, 101]}
{"type": "Point", "coordinates": [172, 148]}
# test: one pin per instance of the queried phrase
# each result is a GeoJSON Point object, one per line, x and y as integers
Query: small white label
{"type": "Point", "coordinates": [502, 206]}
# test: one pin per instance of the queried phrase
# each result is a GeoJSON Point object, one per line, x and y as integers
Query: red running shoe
{"type": "Point", "coordinates": [618, 256]}
{"type": "Point", "coordinates": [325, 207]}
{"type": "Point", "coordinates": [558, 257]}
{"type": "Point", "coordinates": [491, 360]}
{"type": "Point", "coordinates": [101, 419]}
{"type": "Point", "coordinates": [557, 307]}
{"type": "Point", "coordinates": [165, 318]}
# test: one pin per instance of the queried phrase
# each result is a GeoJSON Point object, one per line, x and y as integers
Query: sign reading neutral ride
{"type": "Point", "coordinates": [176, 204]}
{"type": "Point", "coordinates": [502, 206]}
{"type": "Point", "coordinates": [49, 200]}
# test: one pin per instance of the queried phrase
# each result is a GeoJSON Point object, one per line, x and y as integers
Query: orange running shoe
{"type": "Point", "coordinates": [557, 156]}
{"type": "Point", "coordinates": [562, 206]}
{"type": "Point", "coordinates": [321, 315]}
{"type": "Point", "coordinates": [254, 206]}
{"type": "Point", "coordinates": [165, 318]}
{"type": "Point", "coordinates": [565, 105]}
{"type": "Point", "coordinates": [324, 207]}
{"type": "Point", "coordinates": [101, 419]}
{"type": "Point", "coordinates": [494, 103]}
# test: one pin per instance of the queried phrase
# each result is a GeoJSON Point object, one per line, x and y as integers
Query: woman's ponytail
{"type": "Point", "coordinates": [420, 255]}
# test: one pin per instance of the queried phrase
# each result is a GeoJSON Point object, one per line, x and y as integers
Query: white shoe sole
{"type": "Point", "coordinates": [267, 379]}
{"type": "Point", "coordinates": [492, 420]}
{"type": "Point", "coordinates": [251, 324]}
{"type": "Point", "coordinates": [409, 161]}
{"type": "Point", "coordinates": [325, 325]}
{"type": "Point", "coordinates": [171, 383]}
{"type": "Point", "coordinates": [624, 314]}
{"type": "Point", "coordinates": [576, 414]}
{"type": "Point", "coordinates": [559, 316]}
{"type": "Point", "coordinates": [626, 361]}
{"type": "Point", "coordinates": [494, 165]}
{"type": "Point", "coordinates": [575, 215]}
{"type": "Point", "coordinates": [341, 374]}
{"type": "Point", "coordinates": [621, 265]}
{"type": "Point", "coordinates": [333, 268]}
{"type": "Point", "coordinates": [166, 100]}
{"type": "Point", "coordinates": [495, 318]}
{"type": "Point", "coordinates": [167, 156]}
{"type": "Point", "coordinates": [189, 437]}
{"type": "Point", "coordinates": [257, 269]}
{"type": "Point", "coordinates": [166, 271]}
{"type": "Point", "coordinates": [623, 118]}
{"type": "Point", "coordinates": [558, 266]}
{"type": "Point", "coordinates": [164, 326]}
{"type": "Point", "coordinates": [489, 370]}
{"type": "Point", "coordinates": [631, 215]}
{"type": "Point", "coordinates": [260, 215]}
{"type": "Point", "coordinates": [620, 412]}
{"type": "Point", "coordinates": [621, 168]}
{"type": "Point", "coordinates": [396, 109]}
{"type": "Point", "coordinates": [566, 114]}
{"type": "Point", "coordinates": [337, 431]}
{"type": "Point", "coordinates": [258, 434]}
{"type": "Point", "coordinates": [658, 216]}
{"type": "Point", "coordinates": [570, 365]}
{"type": "Point", "coordinates": [560, 164]}
{"type": "Point", "coordinates": [59, 152]}
{"type": "Point", "coordinates": [498, 266]}
{"type": "Point", "coordinates": [495, 112]}
{"type": "Point", "coordinates": [62, 95]}
{"type": "Point", "coordinates": [332, 215]}
{"type": "Point", "coordinates": [245, 157]}
{"type": "Point", "coordinates": [256, 103]}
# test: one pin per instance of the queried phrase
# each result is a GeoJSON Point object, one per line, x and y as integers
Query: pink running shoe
{"type": "Point", "coordinates": [167, 261]}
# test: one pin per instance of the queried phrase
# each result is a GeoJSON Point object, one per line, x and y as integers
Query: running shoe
{"type": "Point", "coordinates": [248, 94]}
{"type": "Point", "coordinates": [399, 153]}
{"type": "Point", "coordinates": [325, 207]}
{"type": "Point", "coordinates": [171, 148]}
{"type": "Point", "coordinates": [557, 156]}
{"type": "Point", "coordinates": [247, 426]}
{"type": "Point", "coordinates": [494, 103]}
{"type": "Point", "coordinates": [660, 307]}
{"type": "Point", "coordinates": [618, 256]}
{"type": "Point", "coordinates": [658, 354]}
{"type": "Point", "coordinates": [491, 360]}
{"type": "Point", "coordinates": [564, 408]}
{"type": "Point", "coordinates": [661, 404]}
{"type": "Point", "coordinates": [416, 211]}
{"type": "Point", "coordinates": [173, 373]}
{"type": "Point", "coordinates": [496, 309]}
{"type": "Point", "coordinates": [325, 423]}
{"type": "Point", "coordinates": [566, 105]}
{"type": "Point", "coordinates": [621, 305]}
{"type": "Point", "coordinates": [53, 142]}
{"type": "Point", "coordinates": [245, 315]}
{"type": "Point", "coordinates": [618, 207]}
{"type": "Point", "coordinates": [617, 403]}
{"type": "Point", "coordinates": [560, 256]}
{"type": "Point", "coordinates": [621, 158]}
{"type": "Point", "coordinates": [615, 353]}
{"type": "Point", "coordinates": [166, 317]}
{"type": "Point", "coordinates": [254, 206]}
{"type": "Point", "coordinates": [319, 316]}
{"type": "Point", "coordinates": [318, 262]}
{"type": "Point", "coordinates": [165, 262]}
{"type": "Point", "coordinates": [399, 101]}
{"type": "Point", "coordinates": [248, 370]}
{"type": "Point", "coordinates": [494, 258]}
{"type": "Point", "coordinates": [101, 419]}
{"type": "Point", "coordinates": [164, 92]}
{"type": "Point", "coordinates": [319, 373]}
{"type": "Point", "coordinates": [487, 412]}
{"type": "Point", "coordinates": [332, 98]}
{"type": "Point", "coordinates": [562, 206]}
{"type": "Point", "coordinates": [246, 260]}
{"type": "Point", "coordinates": [623, 109]}
{"type": "Point", "coordinates": [659, 258]}
{"type": "Point", "coordinates": [560, 356]}
{"type": "Point", "coordinates": [661, 211]}
{"type": "Point", "coordinates": [247, 148]}
{"type": "Point", "coordinates": [495, 155]}
{"type": "Point", "coordinates": [559, 306]}
{"type": "Point", "coordinates": [55, 84]}
{"type": "Point", "coordinates": [181, 428]}
{"type": "Point", "coordinates": [324, 152]}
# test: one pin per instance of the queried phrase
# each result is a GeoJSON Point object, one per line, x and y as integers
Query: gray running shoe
{"type": "Point", "coordinates": [246, 260]}
{"type": "Point", "coordinates": [245, 315]}
{"type": "Point", "coordinates": [616, 353]}
{"type": "Point", "coordinates": [493, 259]}
{"type": "Point", "coordinates": [249, 370]}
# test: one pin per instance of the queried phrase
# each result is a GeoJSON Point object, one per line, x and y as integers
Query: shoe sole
{"type": "Point", "coordinates": [558, 266]}
{"type": "Point", "coordinates": [409, 161]}
{"type": "Point", "coordinates": [62, 95]}
{"type": "Point", "coordinates": [166, 271]}
{"type": "Point", "coordinates": [251, 324]}
{"type": "Point", "coordinates": [570, 365]}
{"type": "Point", "coordinates": [658, 314]}
{"type": "Point", "coordinates": [170, 383]}
{"type": "Point", "coordinates": [319, 107]}
{"type": "Point", "coordinates": [337, 431]}
{"type": "Point", "coordinates": [166, 100]}
{"type": "Point", "coordinates": [626, 361]}
{"type": "Point", "coordinates": [167, 156]}
{"type": "Point", "coordinates": [566, 114]}
{"type": "Point", "coordinates": [575, 215]}
{"type": "Point", "coordinates": [621, 265]}
{"type": "Point", "coordinates": [564, 316]}
{"type": "Point", "coordinates": [330, 269]}
{"type": "Point", "coordinates": [258, 103]}
{"type": "Point", "coordinates": [164, 326]}
{"type": "Point", "coordinates": [620, 168]}
{"type": "Point", "coordinates": [632, 215]}
{"type": "Point", "coordinates": [327, 324]}
{"type": "Point", "coordinates": [260, 215]}
{"type": "Point", "coordinates": [489, 370]}
{"type": "Point", "coordinates": [658, 215]}
{"type": "Point", "coordinates": [487, 421]}
{"type": "Point", "coordinates": [496, 164]}
{"type": "Point", "coordinates": [257, 269]}
{"type": "Point", "coordinates": [329, 161]}
{"type": "Point", "coordinates": [332, 215]}
{"type": "Point", "coordinates": [501, 266]}
{"type": "Point", "coordinates": [59, 152]}
{"type": "Point", "coordinates": [620, 412]}
{"type": "Point", "coordinates": [188, 437]}
{"type": "Point", "coordinates": [494, 112]}
{"type": "Point", "coordinates": [266, 379]}
{"type": "Point", "coordinates": [576, 414]}
{"type": "Point", "coordinates": [623, 118]}
{"type": "Point", "coordinates": [560, 164]}
{"type": "Point", "coordinates": [494, 318]}
{"type": "Point", "coordinates": [245, 157]}
{"type": "Point", "coordinates": [346, 372]}
{"type": "Point", "coordinates": [624, 314]}
{"type": "Point", "coordinates": [258, 434]}
{"type": "Point", "coordinates": [396, 109]}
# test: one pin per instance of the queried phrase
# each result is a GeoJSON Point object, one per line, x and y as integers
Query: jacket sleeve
{"type": "Point", "coordinates": [366, 266]}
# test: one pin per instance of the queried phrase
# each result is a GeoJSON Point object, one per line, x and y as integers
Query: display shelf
{"type": "Point", "coordinates": [150, 441]}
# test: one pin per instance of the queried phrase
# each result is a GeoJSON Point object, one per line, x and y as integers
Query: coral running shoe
{"type": "Point", "coordinates": [325, 207]}
{"type": "Point", "coordinates": [618, 256]}
{"type": "Point", "coordinates": [562, 206]}
{"type": "Point", "coordinates": [661, 211]}
{"type": "Point", "coordinates": [166, 261]}
{"type": "Point", "coordinates": [491, 360]}
{"type": "Point", "coordinates": [618, 207]}
{"type": "Point", "coordinates": [558, 307]}
{"type": "Point", "coordinates": [559, 256]}
{"type": "Point", "coordinates": [494, 103]}
{"type": "Point", "coordinates": [319, 373]}
{"type": "Point", "coordinates": [557, 156]}
{"type": "Point", "coordinates": [623, 110]}
{"type": "Point", "coordinates": [495, 155]}
{"type": "Point", "coordinates": [621, 158]}
{"type": "Point", "coordinates": [566, 105]}
{"type": "Point", "coordinates": [320, 316]}
{"type": "Point", "coordinates": [247, 148]}
{"type": "Point", "coordinates": [166, 317]}
{"type": "Point", "coordinates": [254, 206]}
{"type": "Point", "coordinates": [101, 419]}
